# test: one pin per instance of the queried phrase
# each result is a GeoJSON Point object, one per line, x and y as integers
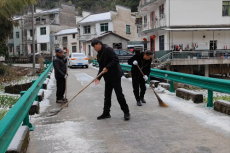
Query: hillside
{"type": "Point", "coordinates": [95, 6]}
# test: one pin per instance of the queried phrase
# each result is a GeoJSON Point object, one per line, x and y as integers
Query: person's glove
{"type": "Point", "coordinates": [145, 77]}
{"type": "Point", "coordinates": [135, 62]}
{"type": "Point", "coordinates": [66, 76]}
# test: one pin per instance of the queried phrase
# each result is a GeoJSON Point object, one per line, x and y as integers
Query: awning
{"type": "Point", "coordinates": [196, 29]}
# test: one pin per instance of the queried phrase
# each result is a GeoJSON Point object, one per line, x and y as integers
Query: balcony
{"type": "Point", "coordinates": [153, 25]}
{"type": "Point", "coordinates": [146, 2]}
{"type": "Point", "coordinates": [86, 37]}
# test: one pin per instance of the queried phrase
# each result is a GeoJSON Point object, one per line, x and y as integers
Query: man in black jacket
{"type": "Point", "coordinates": [109, 64]}
{"type": "Point", "coordinates": [59, 63]}
{"type": "Point", "coordinates": [144, 61]}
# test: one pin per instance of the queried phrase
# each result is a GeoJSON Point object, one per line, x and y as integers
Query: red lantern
{"type": "Point", "coordinates": [144, 39]}
{"type": "Point", "coordinates": [153, 37]}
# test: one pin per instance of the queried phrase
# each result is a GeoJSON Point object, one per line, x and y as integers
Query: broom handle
{"type": "Point", "coordinates": [66, 73]}
{"type": "Point", "coordinates": [147, 80]}
{"type": "Point", "coordinates": [82, 90]}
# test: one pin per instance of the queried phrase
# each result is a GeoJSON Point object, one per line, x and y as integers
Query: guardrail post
{"type": "Point", "coordinates": [210, 98]}
{"type": "Point", "coordinates": [26, 120]}
{"type": "Point", "coordinates": [33, 83]}
{"type": "Point", "coordinates": [171, 86]}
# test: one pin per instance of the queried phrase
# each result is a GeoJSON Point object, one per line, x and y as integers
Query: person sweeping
{"type": "Point", "coordinates": [112, 73]}
{"type": "Point", "coordinates": [144, 61]}
{"type": "Point", "coordinates": [60, 70]}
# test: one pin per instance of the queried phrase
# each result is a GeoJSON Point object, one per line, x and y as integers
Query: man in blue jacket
{"type": "Point", "coordinates": [144, 61]}
{"type": "Point", "coordinates": [109, 64]}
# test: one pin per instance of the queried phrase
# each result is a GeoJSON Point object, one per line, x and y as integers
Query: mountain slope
{"type": "Point", "coordinates": [95, 6]}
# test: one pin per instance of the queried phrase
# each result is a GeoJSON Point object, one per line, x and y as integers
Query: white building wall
{"type": "Point", "coordinates": [197, 12]}
{"type": "Point", "coordinates": [98, 27]}
{"type": "Point", "coordinates": [43, 38]}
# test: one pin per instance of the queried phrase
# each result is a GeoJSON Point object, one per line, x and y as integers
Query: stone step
{"type": "Point", "coordinates": [45, 83]}
{"type": "Point", "coordinates": [222, 106]}
{"type": "Point", "coordinates": [40, 95]}
{"type": "Point", "coordinates": [188, 94]}
{"type": "Point", "coordinates": [34, 109]}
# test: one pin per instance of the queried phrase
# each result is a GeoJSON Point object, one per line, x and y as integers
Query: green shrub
{"type": "Point", "coordinates": [7, 101]}
{"type": "Point", "coordinates": [3, 113]}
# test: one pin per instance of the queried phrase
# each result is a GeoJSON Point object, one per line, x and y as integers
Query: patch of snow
{"type": "Point", "coordinates": [84, 78]}
{"type": "Point", "coordinates": [208, 117]}
{"type": "Point", "coordinates": [97, 17]}
{"type": "Point", "coordinates": [67, 31]}
{"type": "Point", "coordinates": [190, 91]}
{"type": "Point", "coordinates": [96, 68]}
{"type": "Point", "coordinates": [67, 137]}
{"type": "Point", "coordinates": [224, 101]}
{"type": "Point", "coordinates": [163, 83]}
{"type": "Point", "coordinates": [18, 137]}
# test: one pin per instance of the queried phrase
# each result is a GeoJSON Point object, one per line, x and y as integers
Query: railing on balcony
{"type": "Point", "coordinates": [217, 54]}
{"type": "Point", "coordinates": [146, 2]}
{"type": "Point", "coordinates": [158, 23]}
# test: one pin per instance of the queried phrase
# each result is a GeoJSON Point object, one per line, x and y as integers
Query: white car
{"type": "Point", "coordinates": [78, 60]}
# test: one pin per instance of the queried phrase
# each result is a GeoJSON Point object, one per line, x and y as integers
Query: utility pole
{"type": "Point", "coordinates": [33, 48]}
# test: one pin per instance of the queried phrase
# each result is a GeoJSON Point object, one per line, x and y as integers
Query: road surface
{"type": "Point", "coordinates": [151, 129]}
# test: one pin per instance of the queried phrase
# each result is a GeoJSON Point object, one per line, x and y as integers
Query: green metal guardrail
{"type": "Point", "coordinates": [20, 112]}
{"type": "Point", "coordinates": [95, 62]}
{"type": "Point", "coordinates": [211, 84]}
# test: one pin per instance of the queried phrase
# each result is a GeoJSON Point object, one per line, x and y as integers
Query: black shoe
{"type": "Point", "coordinates": [103, 116]}
{"type": "Point", "coordinates": [60, 101]}
{"type": "Point", "coordinates": [127, 116]}
{"type": "Point", "coordinates": [139, 103]}
{"type": "Point", "coordinates": [65, 99]}
{"type": "Point", "coordinates": [143, 100]}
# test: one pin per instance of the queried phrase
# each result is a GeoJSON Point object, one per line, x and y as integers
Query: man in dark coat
{"type": "Point", "coordinates": [59, 63]}
{"type": "Point", "coordinates": [109, 64]}
{"type": "Point", "coordinates": [144, 61]}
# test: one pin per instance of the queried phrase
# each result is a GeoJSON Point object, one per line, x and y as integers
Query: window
{"type": "Point", "coordinates": [17, 34]}
{"type": "Point", "coordinates": [161, 42]}
{"type": "Point", "coordinates": [86, 29]}
{"type": "Point", "coordinates": [11, 36]}
{"type": "Point", "coordinates": [145, 20]}
{"type": "Point", "coordinates": [73, 36]}
{"type": "Point", "coordinates": [31, 33]}
{"type": "Point", "coordinates": [117, 52]}
{"type": "Point", "coordinates": [226, 8]}
{"type": "Point", "coordinates": [89, 50]}
{"type": "Point", "coordinates": [117, 45]}
{"type": "Point", "coordinates": [43, 30]}
{"type": "Point", "coordinates": [37, 19]}
{"type": "Point", "coordinates": [74, 49]}
{"type": "Point", "coordinates": [52, 16]}
{"type": "Point", "coordinates": [55, 37]}
{"type": "Point", "coordinates": [64, 40]}
{"type": "Point", "coordinates": [128, 31]}
{"type": "Point", "coordinates": [11, 48]}
{"type": "Point", "coordinates": [104, 27]}
{"type": "Point", "coordinates": [18, 49]}
{"type": "Point", "coordinates": [123, 53]}
{"type": "Point", "coordinates": [161, 8]}
{"type": "Point", "coordinates": [43, 46]}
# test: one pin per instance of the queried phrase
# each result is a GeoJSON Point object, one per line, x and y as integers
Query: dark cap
{"type": "Point", "coordinates": [58, 50]}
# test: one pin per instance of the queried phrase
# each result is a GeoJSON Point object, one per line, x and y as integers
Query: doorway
{"type": "Point", "coordinates": [213, 45]}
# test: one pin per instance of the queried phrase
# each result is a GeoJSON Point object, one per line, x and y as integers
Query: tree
{"type": "Point", "coordinates": [9, 8]}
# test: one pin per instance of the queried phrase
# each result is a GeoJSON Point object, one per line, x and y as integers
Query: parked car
{"type": "Point", "coordinates": [78, 60]}
{"type": "Point", "coordinates": [123, 56]}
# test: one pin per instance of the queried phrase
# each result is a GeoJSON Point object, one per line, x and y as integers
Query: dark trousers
{"type": "Point", "coordinates": [116, 85]}
{"type": "Point", "coordinates": [138, 83]}
{"type": "Point", "coordinates": [60, 88]}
